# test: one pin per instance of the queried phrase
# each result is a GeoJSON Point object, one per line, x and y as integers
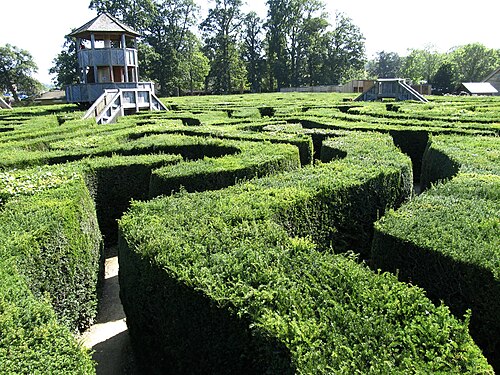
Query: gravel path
{"type": "Point", "coordinates": [109, 338]}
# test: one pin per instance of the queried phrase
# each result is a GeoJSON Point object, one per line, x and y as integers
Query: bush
{"type": "Point", "coordinates": [31, 339]}
{"type": "Point", "coordinates": [115, 180]}
{"type": "Point", "coordinates": [225, 282]}
{"type": "Point", "coordinates": [253, 160]}
{"type": "Point", "coordinates": [54, 235]}
{"type": "Point", "coordinates": [446, 240]}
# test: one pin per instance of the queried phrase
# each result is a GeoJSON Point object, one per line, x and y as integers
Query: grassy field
{"type": "Point", "coordinates": [257, 234]}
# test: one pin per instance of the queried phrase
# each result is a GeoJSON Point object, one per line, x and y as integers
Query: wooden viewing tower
{"type": "Point", "coordinates": [108, 71]}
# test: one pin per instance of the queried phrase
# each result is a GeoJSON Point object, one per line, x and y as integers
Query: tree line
{"type": "Point", "coordinates": [230, 51]}
{"type": "Point", "coordinates": [444, 71]}
{"type": "Point", "coordinates": [297, 44]}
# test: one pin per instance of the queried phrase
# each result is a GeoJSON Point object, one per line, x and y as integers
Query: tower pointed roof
{"type": "Point", "coordinates": [103, 23]}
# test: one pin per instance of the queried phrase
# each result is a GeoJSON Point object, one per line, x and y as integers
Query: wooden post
{"type": "Point", "coordinates": [124, 46]}
{"type": "Point", "coordinates": [92, 45]}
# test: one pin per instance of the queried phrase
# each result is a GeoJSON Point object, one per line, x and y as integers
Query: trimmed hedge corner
{"type": "Point", "coordinates": [54, 235]}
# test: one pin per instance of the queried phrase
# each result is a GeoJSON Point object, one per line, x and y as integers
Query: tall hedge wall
{"type": "Point", "coordinates": [447, 240]}
{"type": "Point", "coordinates": [229, 281]}
{"type": "Point", "coordinates": [32, 341]}
{"type": "Point", "coordinates": [50, 254]}
{"type": "Point", "coordinates": [251, 264]}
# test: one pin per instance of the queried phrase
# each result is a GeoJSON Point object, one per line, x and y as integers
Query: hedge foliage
{"type": "Point", "coordinates": [253, 160]}
{"type": "Point", "coordinates": [49, 241]}
{"type": "Point", "coordinates": [32, 341]}
{"type": "Point", "coordinates": [230, 281]}
{"type": "Point", "coordinates": [447, 240]}
{"type": "Point", "coordinates": [48, 216]}
{"type": "Point", "coordinates": [54, 235]}
{"type": "Point", "coordinates": [274, 232]}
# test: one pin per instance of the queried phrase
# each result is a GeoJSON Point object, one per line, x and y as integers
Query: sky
{"type": "Point", "coordinates": [39, 26]}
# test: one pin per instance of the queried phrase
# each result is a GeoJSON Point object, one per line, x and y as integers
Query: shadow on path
{"type": "Point", "coordinates": [109, 337]}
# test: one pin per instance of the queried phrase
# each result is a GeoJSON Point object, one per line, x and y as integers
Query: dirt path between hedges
{"type": "Point", "coordinates": [108, 337]}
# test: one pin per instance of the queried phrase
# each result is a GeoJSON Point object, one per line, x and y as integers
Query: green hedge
{"type": "Point", "coordinates": [32, 341]}
{"type": "Point", "coordinates": [446, 155]}
{"type": "Point", "coordinates": [55, 239]}
{"type": "Point", "coordinates": [225, 282]}
{"type": "Point", "coordinates": [50, 259]}
{"type": "Point", "coordinates": [253, 160]}
{"type": "Point", "coordinates": [252, 254]}
{"type": "Point", "coordinates": [446, 240]}
{"type": "Point", "coordinates": [114, 181]}
{"type": "Point", "coordinates": [235, 133]}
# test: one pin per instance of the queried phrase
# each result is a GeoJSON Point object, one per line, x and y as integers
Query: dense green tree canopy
{"type": "Point", "coordinates": [253, 50]}
{"type": "Point", "coordinates": [421, 64]}
{"type": "Point", "coordinates": [473, 62]}
{"type": "Point", "coordinates": [221, 31]}
{"type": "Point", "coordinates": [16, 69]}
{"type": "Point", "coordinates": [385, 65]}
{"type": "Point", "coordinates": [345, 47]}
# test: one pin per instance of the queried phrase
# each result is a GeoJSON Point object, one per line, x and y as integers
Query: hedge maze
{"type": "Point", "coordinates": [257, 234]}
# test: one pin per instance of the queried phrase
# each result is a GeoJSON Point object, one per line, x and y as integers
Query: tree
{"type": "Point", "coordinates": [276, 44]}
{"type": "Point", "coordinates": [345, 50]}
{"type": "Point", "coordinates": [65, 65]}
{"type": "Point", "coordinates": [421, 64]}
{"type": "Point", "coordinates": [473, 62]}
{"type": "Point", "coordinates": [134, 13]}
{"type": "Point", "coordinates": [252, 50]}
{"type": "Point", "coordinates": [385, 65]}
{"type": "Point", "coordinates": [16, 68]}
{"type": "Point", "coordinates": [443, 80]}
{"type": "Point", "coordinates": [194, 68]}
{"type": "Point", "coordinates": [311, 46]}
{"type": "Point", "coordinates": [165, 27]}
{"type": "Point", "coordinates": [294, 28]}
{"type": "Point", "coordinates": [170, 36]}
{"type": "Point", "coordinates": [220, 33]}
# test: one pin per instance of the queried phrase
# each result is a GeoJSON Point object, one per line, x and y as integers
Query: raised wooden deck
{"type": "Point", "coordinates": [90, 92]}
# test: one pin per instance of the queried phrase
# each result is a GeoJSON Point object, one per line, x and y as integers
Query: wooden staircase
{"type": "Point", "coordinates": [4, 104]}
{"type": "Point", "coordinates": [395, 88]}
{"type": "Point", "coordinates": [114, 103]}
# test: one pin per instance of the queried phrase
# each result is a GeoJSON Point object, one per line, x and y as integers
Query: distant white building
{"type": "Point", "coordinates": [478, 88]}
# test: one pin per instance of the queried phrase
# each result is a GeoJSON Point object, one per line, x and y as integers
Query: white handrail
{"type": "Point", "coordinates": [94, 110]}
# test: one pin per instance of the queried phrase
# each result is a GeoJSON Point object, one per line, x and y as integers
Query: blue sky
{"type": "Point", "coordinates": [391, 25]}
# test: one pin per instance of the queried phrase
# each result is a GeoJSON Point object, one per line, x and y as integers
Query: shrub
{"type": "Point", "coordinates": [31, 339]}
{"type": "Point", "coordinates": [253, 160]}
{"type": "Point", "coordinates": [225, 282]}
{"type": "Point", "coordinates": [446, 240]}
{"type": "Point", "coordinates": [115, 180]}
{"type": "Point", "coordinates": [55, 240]}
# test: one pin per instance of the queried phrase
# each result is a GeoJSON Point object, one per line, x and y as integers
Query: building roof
{"type": "Point", "coordinates": [103, 23]}
{"type": "Point", "coordinates": [479, 88]}
{"type": "Point", "coordinates": [53, 95]}
{"type": "Point", "coordinates": [492, 75]}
